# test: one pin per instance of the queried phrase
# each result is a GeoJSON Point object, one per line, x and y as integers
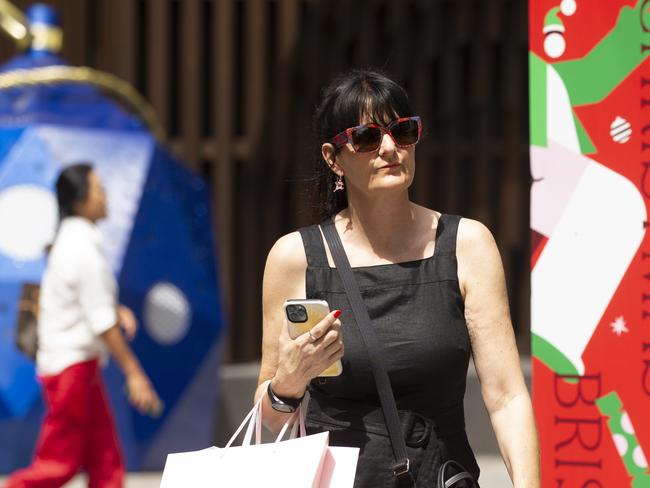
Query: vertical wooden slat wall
{"type": "Point", "coordinates": [235, 82]}
{"type": "Point", "coordinates": [222, 166]}
{"type": "Point", "coordinates": [157, 42]}
{"type": "Point", "coordinates": [190, 77]}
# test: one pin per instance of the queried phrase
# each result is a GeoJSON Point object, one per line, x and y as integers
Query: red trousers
{"type": "Point", "coordinates": [77, 434]}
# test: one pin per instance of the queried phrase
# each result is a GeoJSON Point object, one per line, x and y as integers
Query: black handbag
{"type": "Point", "coordinates": [27, 321]}
{"type": "Point", "coordinates": [451, 474]}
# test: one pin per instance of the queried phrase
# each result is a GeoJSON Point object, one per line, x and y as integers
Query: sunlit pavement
{"type": "Point", "coordinates": [493, 475]}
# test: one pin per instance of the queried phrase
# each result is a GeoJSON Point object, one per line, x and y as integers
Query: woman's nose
{"type": "Point", "coordinates": [387, 144]}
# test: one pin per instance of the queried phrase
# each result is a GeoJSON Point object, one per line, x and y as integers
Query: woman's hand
{"type": "Point", "coordinates": [302, 359]}
{"type": "Point", "coordinates": [127, 321]}
{"type": "Point", "coordinates": [139, 390]}
{"type": "Point", "coordinates": [142, 394]}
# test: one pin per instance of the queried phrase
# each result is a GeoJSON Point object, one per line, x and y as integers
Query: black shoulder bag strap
{"type": "Point", "coordinates": [386, 397]}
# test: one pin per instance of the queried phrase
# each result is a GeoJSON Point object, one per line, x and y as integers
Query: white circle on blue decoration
{"type": "Point", "coordinates": [28, 217]}
{"type": "Point", "coordinates": [167, 313]}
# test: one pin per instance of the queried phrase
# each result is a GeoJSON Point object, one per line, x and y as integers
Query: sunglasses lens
{"type": "Point", "coordinates": [406, 132]}
{"type": "Point", "coordinates": [366, 139]}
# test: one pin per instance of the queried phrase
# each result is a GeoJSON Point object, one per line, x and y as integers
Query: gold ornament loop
{"type": "Point", "coordinates": [111, 84]}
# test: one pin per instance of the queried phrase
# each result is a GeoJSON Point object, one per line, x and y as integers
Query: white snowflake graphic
{"type": "Point", "coordinates": [619, 326]}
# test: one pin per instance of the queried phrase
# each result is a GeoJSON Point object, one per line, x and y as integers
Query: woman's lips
{"type": "Point", "coordinates": [388, 166]}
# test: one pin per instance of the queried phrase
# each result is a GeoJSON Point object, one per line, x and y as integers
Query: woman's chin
{"type": "Point", "coordinates": [391, 183]}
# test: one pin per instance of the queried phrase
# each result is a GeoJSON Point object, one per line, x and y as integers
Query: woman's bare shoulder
{"type": "Point", "coordinates": [473, 235]}
{"type": "Point", "coordinates": [479, 261]}
{"type": "Point", "coordinates": [284, 274]}
{"type": "Point", "coordinates": [287, 254]}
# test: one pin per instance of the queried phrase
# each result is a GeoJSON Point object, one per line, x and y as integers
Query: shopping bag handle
{"type": "Point", "coordinates": [253, 423]}
{"type": "Point", "coordinates": [252, 420]}
{"type": "Point", "coordinates": [297, 421]}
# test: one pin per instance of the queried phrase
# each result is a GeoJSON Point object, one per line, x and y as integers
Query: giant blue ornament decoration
{"type": "Point", "coordinates": [158, 236]}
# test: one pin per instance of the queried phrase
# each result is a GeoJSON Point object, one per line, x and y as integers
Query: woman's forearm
{"type": "Point", "coordinates": [121, 351]}
{"type": "Point", "coordinates": [514, 426]}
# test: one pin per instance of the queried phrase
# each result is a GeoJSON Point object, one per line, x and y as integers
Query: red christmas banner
{"type": "Point", "coordinates": [590, 277]}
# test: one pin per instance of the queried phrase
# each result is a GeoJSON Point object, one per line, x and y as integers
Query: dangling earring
{"type": "Point", "coordinates": [339, 184]}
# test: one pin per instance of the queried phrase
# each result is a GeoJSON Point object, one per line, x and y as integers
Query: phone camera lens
{"type": "Point", "coordinates": [296, 313]}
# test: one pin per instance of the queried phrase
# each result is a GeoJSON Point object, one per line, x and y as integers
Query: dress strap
{"type": "Point", "coordinates": [446, 234]}
{"type": "Point", "coordinates": [312, 239]}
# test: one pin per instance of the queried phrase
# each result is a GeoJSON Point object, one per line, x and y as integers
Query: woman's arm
{"type": "Point", "coordinates": [290, 364]}
{"type": "Point", "coordinates": [127, 321]}
{"type": "Point", "coordinates": [487, 314]}
{"type": "Point", "coordinates": [97, 297]}
{"type": "Point", "coordinates": [140, 391]}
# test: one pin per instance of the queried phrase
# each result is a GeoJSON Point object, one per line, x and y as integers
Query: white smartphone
{"type": "Point", "coordinates": [302, 315]}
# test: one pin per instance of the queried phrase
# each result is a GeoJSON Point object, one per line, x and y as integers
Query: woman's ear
{"type": "Point", "coordinates": [329, 156]}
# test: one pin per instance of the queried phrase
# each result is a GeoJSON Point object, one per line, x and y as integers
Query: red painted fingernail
{"type": "Point", "coordinates": [337, 313]}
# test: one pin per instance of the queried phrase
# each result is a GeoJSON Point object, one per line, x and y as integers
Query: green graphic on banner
{"type": "Point", "coordinates": [585, 78]}
{"type": "Point", "coordinates": [625, 439]}
{"type": "Point", "coordinates": [552, 357]}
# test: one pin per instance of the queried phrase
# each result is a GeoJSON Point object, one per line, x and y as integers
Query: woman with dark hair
{"type": "Point", "coordinates": [79, 318]}
{"type": "Point", "coordinates": [434, 287]}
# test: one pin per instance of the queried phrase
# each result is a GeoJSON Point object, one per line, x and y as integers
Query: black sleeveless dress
{"type": "Point", "coordinates": [417, 312]}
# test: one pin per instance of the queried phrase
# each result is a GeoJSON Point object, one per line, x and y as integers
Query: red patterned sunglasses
{"type": "Point", "coordinates": [405, 131]}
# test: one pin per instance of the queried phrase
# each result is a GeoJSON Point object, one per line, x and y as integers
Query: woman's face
{"type": "Point", "coordinates": [94, 206]}
{"type": "Point", "coordinates": [387, 168]}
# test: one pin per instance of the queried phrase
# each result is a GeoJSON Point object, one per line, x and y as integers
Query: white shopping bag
{"type": "Point", "coordinates": [339, 467]}
{"type": "Point", "coordinates": [300, 462]}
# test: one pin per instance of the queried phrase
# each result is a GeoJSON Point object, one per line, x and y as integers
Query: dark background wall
{"type": "Point", "coordinates": [234, 83]}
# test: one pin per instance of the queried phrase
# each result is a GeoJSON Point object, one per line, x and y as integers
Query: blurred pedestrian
{"type": "Point", "coordinates": [79, 319]}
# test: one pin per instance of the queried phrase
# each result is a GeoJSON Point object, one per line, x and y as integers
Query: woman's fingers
{"type": "Point", "coordinates": [147, 401]}
{"type": "Point", "coordinates": [141, 393]}
{"type": "Point", "coordinates": [334, 344]}
{"type": "Point", "coordinates": [330, 337]}
{"type": "Point", "coordinates": [321, 328]}
{"type": "Point", "coordinates": [335, 355]}
{"type": "Point", "coordinates": [312, 352]}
